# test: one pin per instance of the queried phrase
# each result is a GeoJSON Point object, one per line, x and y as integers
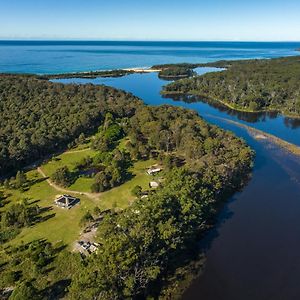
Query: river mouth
{"type": "Point", "coordinates": [253, 251]}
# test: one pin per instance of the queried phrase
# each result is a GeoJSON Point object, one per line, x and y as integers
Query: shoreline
{"type": "Point", "coordinates": [226, 104]}
{"type": "Point", "coordinates": [142, 70]}
{"type": "Point", "coordinates": [262, 135]}
{"type": "Point", "coordinates": [98, 73]}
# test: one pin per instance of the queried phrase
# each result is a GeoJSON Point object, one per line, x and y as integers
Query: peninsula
{"type": "Point", "coordinates": [250, 85]}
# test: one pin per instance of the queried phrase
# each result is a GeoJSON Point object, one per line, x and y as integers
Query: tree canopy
{"type": "Point", "coordinates": [39, 117]}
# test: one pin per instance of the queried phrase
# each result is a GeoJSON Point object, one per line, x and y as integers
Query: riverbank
{"type": "Point", "coordinates": [261, 135]}
{"type": "Point", "coordinates": [228, 105]}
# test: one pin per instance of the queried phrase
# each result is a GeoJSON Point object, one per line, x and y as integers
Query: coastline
{"type": "Point", "coordinates": [98, 73]}
{"type": "Point", "coordinates": [142, 70]}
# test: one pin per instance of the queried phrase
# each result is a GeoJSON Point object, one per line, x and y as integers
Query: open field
{"type": "Point", "coordinates": [121, 196]}
{"type": "Point", "coordinates": [68, 158]}
{"type": "Point", "coordinates": [58, 224]}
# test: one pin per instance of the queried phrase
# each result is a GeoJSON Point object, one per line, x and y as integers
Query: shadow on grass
{"type": "Point", "coordinates": [57, 290]}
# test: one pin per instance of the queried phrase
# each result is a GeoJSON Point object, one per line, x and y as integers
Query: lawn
{"type": "Point", "coordinates": [68, 159]}
{"type": "Point", "coordinates": [121, 196]}
{"type": "Point", "coordinates": [63, 225]}
{"type": "Point", "coordinates": [59, 224]}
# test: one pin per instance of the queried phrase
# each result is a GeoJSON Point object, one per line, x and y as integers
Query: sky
{"type": "Point", "coordinates": [177, 20]}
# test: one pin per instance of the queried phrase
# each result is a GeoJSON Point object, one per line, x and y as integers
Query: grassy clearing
{"type": "Point", "coordinates": [121, 196]}
{"type": "Point", "coordinates": [68, 159]}
{"type": "Point", "coordinates": [59, 224]}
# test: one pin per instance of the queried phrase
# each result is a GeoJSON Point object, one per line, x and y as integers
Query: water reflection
{"type": "Point", "coordinates": [292, 123]}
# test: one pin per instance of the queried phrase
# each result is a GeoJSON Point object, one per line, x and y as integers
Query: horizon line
{"type": "Point", "coordinates": [132, 40]}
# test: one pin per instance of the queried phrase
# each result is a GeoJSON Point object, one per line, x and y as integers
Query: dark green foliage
{"type": "Point", "coordinates": [137, 191]}
{"type": "Point", "coordinates": [62, 176]}
{"type": "Point", "coordinates": [85, 163]}
{"type": "Point", "coordinates": [249, 85]}
{"type": "Point", "coordinates": [109, 134]}
{"type": "Point", "coordinates": [93, 74]}
{"type": "Point", "coordinates": [86, 218]}
{"type": "Point", "coordinates": [7, 234]}
{"type": "Point", "coordinates": [39, 117]}
{"type": "Point", "coordinates": [143, 244]}
{"type": "Point", "coordinates": [20, 179]}
{"type": "Point", "coordinates": [114, 171]}
{"type": "Point", "coordinates": [25, 291]}
{"type": "Point", "coordinates": [19, 215]}
{"type": "Point", "coordinates": [176, 71]}
{"type": "Point", "coordinates": [37, 270]}
{"type": "Point", "coordinates": [97, 211]}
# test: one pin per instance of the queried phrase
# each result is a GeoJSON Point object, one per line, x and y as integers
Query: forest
{"type": "Point", "coordinates": [176, 72]}
{"type": "Point", "coordinates": [250, 85]}
{"type": "Point", "coordinates": [91, 74]}
{"type": "Point", "coordinates": [39, 117]}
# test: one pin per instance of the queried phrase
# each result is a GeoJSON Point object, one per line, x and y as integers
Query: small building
{"type": "Point", "coordinates": [66, 201]}
{"type": "Point", "coordinates": [153, 184]}
{"type": "Point", "coordinates": [152, 171]}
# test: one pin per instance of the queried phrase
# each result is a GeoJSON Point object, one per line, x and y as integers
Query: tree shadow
{"type": "Point", "coordinates": [35, 181]}
{"type": "Point", "coordinates": [57, 290]}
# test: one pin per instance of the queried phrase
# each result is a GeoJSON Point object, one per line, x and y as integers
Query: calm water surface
{"type": "Point", "coordinates": [71, 56]}
{"type": "Point", "coordinates": [254, 251]}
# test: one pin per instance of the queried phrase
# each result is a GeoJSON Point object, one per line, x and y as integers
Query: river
{"type": "Point", "coordinates": [253, 252]}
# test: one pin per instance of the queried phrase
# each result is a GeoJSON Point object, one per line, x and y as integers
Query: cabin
{"type": "Point", "coordinates": [66, 201]}
{"type": "Point", "coordinates": [152, 171]}
{"type": "Point", "coordinates": [153, 184]}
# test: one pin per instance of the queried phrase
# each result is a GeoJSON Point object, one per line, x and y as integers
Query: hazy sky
{"type": "Point", "coordinates": [151, 19]}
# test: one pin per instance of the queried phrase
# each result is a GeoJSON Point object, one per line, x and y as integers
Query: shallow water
{"type": "Point", "coordinates": [253, 252]}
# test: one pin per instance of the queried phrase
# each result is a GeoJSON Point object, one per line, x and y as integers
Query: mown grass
{"type": "Point", "coordinates": [121, 196]}
{"type": "Point", "coordinates": [68, 158]}
{"type": "Point", "coordinates": [58, 224]}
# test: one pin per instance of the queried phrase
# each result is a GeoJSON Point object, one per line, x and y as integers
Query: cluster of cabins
{"type": "Point", "coordinates": [88, 247]}
{"type": "Point", "coordinates": [153, 171]}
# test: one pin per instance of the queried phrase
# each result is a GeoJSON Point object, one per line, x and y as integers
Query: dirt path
{"type": "Point", "coordinates": [93, 196]}
{"type": "Point", "coordinates": [77, 151]}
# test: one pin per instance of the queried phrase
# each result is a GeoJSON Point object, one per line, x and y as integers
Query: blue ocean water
{"type": "Point", "coordinates": [48, 57]}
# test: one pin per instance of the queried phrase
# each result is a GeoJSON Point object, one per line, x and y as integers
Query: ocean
{"type": "Point", "coordinates": [48, 57]}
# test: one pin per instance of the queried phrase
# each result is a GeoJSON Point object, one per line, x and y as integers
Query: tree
{"type": "Point", "coordinates": [21, 179]}
{"type": "Point", "coordinates": [62, 176]}
{"type": "Point", "coordinates": [6, 184]}
{"type": "Point", "coordinates": [86, 218]}
{"type": "Point", "coordinates": [137, 191]}
{"type": "Point", "coordinates": [25, 291]}
{"type": "Point", "coordinates": [253, 106]}
{"type": "Point", "coordinates": [97, 211]}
